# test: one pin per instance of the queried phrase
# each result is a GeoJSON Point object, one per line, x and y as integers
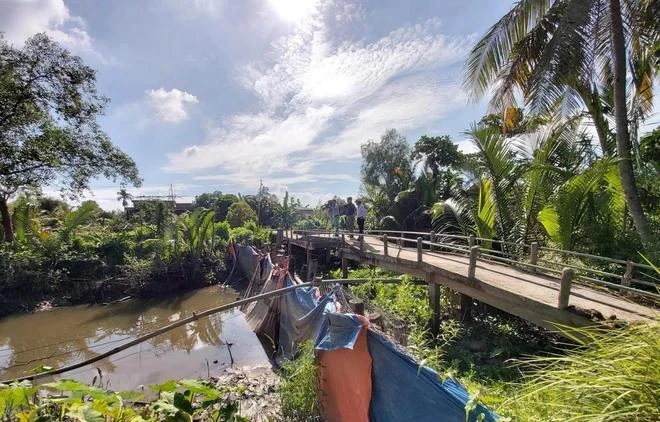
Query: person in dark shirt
{"type": "Point", "coordinates": [351, 209]}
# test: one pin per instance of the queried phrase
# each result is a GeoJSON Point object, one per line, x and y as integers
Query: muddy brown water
{"type": "Point", "coordinates": [67, 335]}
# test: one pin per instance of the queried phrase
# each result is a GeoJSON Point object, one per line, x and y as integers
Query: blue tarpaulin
{"type": "Point", "coordinates": [404, 390]}
{"type": "Point", "coordinates": [302, 317]}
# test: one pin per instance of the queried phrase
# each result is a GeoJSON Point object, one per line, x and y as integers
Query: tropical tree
{"type": "Point", "coordinates": [567, 55]}
{"type": "Point", "coordinates": [124, 197]}
{"type": "Point", "coordinates": [48, 129]}
{"type": "Point", "coordinates": [240, 213]}
{"type": "Point", "coordinates": [198, 230]}
{"type": "Point", "coordinates": [216, 201]}
{"type": "Point", "coordinates": [387, 164]}
{"type": "Point", "coordinates": [457, 216]}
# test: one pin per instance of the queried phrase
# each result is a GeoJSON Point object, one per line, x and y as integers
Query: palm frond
{"type": "Point", "coordinates": [491, 53]}
{"type": "Point", "coordinates": [564, 59]}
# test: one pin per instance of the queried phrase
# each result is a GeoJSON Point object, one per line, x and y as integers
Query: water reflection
{"type": "Point", "coordinates": [72, 334]}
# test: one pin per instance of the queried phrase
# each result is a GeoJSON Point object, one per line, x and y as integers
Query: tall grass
{"type": "Point", "coordinates": [612, 376]}
{"type": "Point", "coordinates": [299, 388]}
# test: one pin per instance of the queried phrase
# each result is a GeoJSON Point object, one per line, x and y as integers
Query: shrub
{"type": "Point", "coordinates": [240, 213]}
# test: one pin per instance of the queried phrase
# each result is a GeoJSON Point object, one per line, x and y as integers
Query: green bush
{"type": "Point", "coordinates": [240, 213]}
{"type": "Point", "coordinates": [183, 400]}
{"type": "Point", "coordinates": [251, 234]}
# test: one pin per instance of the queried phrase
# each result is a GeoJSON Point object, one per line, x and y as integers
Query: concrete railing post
{"type": "Point", "coordinates": [534, 255]}
{"type": "Point", "coordinates": [399, 242]}
{"type": "Point", "coordinates": [472, 240]}
{"type": "Point", "coordinates": [420, 246]}
{"type": "Point", "coordinates": [432, 238]}
{"type": "Point", "coordinates": [361, 244]}
{"type": "Point", "coordinates": [567, 276]}
{"type": "Point", "coordinates": [474, 254]}
{"type": "Point", "coordinates": [627, 276]}
{"type": "Point", "coordinates": [344, 268]}
{"type": "Point", "coordinates": [385, 244]}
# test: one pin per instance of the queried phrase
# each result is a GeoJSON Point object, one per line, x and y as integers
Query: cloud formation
{"type": "Point", "coordinates": [323, 92]}
{"type": "Point", "coordinates": [170, 106]}
{"type": "Point", "coordinates": [20, 19]}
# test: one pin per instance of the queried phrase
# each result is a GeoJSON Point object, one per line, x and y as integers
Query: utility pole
{"type": "Point", "coordinates": [261, 188]}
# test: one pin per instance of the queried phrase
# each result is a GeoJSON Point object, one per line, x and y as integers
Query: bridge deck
{"type": "Point", "coordinates": [533, 297]}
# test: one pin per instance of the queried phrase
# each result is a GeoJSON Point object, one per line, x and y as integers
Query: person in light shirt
{"type": "Point", "coordinates": [361, 215]}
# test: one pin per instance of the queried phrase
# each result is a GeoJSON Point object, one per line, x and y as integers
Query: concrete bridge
{"type": "Point", "coordinates": [542, 285]}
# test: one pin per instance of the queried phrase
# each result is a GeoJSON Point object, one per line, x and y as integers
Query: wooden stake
{"type": "Point", "coordinates": [357, 305]}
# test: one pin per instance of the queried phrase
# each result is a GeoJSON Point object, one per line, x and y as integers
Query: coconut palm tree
{"type": "Point", "coordinates": [567, 55]}
{"type": "Point", "coordinates": [124, 197]}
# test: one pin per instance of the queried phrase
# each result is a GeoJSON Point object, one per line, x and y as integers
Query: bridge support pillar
{"type": "Point", "coordinates": [310, 270]}
{"type": "Point", "coordinates": [434, 302]}
{"type": "Point", "coordinates": [344, 268]}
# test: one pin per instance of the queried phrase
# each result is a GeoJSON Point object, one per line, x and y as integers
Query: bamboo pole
{"type": "Point", "coordinates": [194, 317]}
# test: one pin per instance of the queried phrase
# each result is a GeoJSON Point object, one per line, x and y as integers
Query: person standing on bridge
{"type": "Point", "coordinates": [361, 215]}
{"type": "Point", "coordinates": [350, 215]}
{"type": "Point", "coordinates": [334, 213]}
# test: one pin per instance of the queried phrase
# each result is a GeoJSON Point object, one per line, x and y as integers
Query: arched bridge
{"type": "Point", "coordinates": [542, 285]}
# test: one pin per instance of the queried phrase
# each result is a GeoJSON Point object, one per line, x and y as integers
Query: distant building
{"type": "Point", "coordinates": [303, 212]}
{"type": "Point", "coordinates": [177, 208]}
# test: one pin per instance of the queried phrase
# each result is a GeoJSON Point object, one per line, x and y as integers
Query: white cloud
{"type": "Point", "coordinates": [170, 106]}
{"type": "Point", "coordinates": [20, 19]}
{"type": "Point", "coordinates": [466, 146]}
{"type": "Point", "coordinates": [322, 93]}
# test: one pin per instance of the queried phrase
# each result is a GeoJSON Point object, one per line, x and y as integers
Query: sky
{"type": "Point", "coordinates": [213, 95]}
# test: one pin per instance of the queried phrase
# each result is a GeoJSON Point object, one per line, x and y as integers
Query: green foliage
{"type": "Point", "coordinates": [183, 400]}
{"type": "Point", "coordinates": [48, 129]}
{"type": "Point", "coordinates": [613, 376]}
{"type": "Point", "coordinates": [591, 198]}
{"type": "Point", "coordinates": [387, 164]}
{"type": "Point", "coordinates": [240, 213]}
{"type": "Point", "coordinates": [299, 388]}
{"type": "Point", "coordinates": [250, 233]}
{"type": "Point", "coordinates": [216, 201]}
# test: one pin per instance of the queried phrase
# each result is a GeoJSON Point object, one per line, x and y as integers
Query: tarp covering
{"type": "Point", "coordinates": [344, 368]}
{"type": "Point", "coordinates": [302, 316]}
{"type": "Point", "coordinates": [402, 390]}
{"type": "Point", "coordinates": [363, 376]}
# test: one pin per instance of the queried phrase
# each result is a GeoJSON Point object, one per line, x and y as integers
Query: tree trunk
{"type": "Point", "coordinates": [622, 133]}
{"type": "Point", "coordinates": [6, 220]}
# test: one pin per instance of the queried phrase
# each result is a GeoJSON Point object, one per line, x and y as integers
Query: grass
{"type": "Point", "coordinates": [298, 388]}
{"type": "Point", "coordinates": [612, 376]}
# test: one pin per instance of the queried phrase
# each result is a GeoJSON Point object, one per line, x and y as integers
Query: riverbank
{"type": "Point", "coordinates": [147, 279]}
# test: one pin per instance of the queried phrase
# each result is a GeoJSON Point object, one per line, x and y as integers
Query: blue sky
{"type": "Point", "coordinates": [216, 94]}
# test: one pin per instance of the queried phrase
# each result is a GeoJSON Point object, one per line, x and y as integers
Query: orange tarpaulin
{"type": "Point", "coordinates": [345, 380]}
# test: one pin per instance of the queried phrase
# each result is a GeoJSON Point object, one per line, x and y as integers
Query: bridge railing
{"type": "Point", "coordinates": [621, 275]}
